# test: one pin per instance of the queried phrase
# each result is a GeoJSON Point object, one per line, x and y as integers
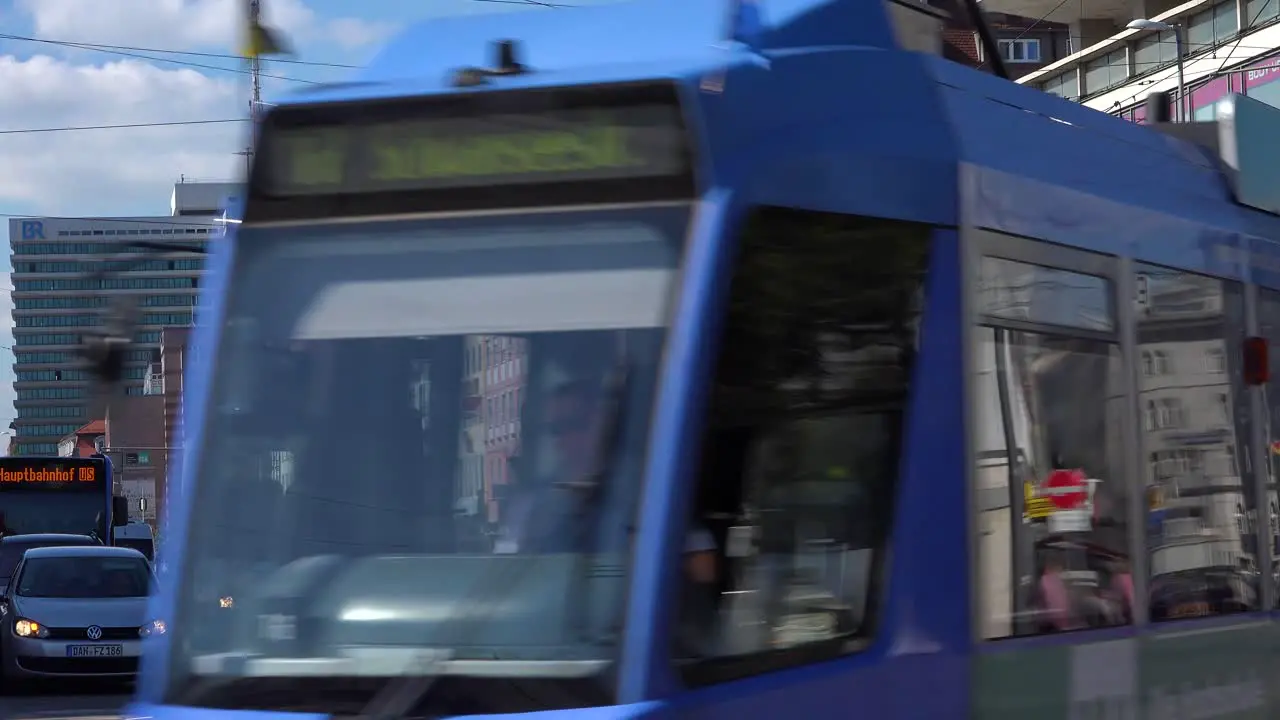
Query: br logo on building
{"type": "Point", "coordinates": [32, 230]}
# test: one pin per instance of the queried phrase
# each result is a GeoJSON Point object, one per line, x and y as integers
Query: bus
{"type": "Point", "coordinates": [675, 359]}
{"type": "Point", "coordinates": [67, 495]}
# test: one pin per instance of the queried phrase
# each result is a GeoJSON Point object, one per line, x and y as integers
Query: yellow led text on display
{"type": "Point", "coordinates": [315, 159]}
{"type": "Point", "coordinates": [33, 475]}
{"type": "Point", "coordinates": [603, 148]}
{"type": "Point", "coordinates": [459, 152]}
{"type": "Point", "coordinates": [319, 159]}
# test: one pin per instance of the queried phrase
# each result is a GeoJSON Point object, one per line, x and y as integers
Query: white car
{"type": "Point", "coordinates": [75, 612]}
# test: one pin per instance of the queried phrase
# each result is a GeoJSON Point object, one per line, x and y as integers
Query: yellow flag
{"type": "Point", "coordinates": [261, 40]}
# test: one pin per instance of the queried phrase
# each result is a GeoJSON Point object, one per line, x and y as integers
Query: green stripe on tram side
{"type": "Point", "coordinates": [1228, 672]}
{"type": "Point", "coordinates": [1220, 673]}
{"type": "Point", "coordinates": [1022, 684]}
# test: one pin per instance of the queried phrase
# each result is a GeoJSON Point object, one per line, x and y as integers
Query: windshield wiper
{"type": "Point", "coordinates": [399, 696]}
{"type": "Point", "coordinates": [347, 696]}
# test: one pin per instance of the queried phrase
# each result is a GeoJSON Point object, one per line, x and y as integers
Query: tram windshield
{"type": "Point", "coordinates": [423, 448]}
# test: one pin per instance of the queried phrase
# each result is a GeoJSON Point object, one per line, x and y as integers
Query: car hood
{"type": "Point", "coordinates": [83, 612]}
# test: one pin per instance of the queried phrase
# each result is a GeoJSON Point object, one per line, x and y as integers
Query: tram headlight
{"type": "Point", "coordinates": [29, 629]}
{"type": "Point", "coordinates": [226, 602]}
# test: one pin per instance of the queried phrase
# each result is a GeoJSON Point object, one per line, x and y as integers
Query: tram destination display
{"type": "Point", "coordinates": [581, 144]}
{"type": "Point", "coordinates": [52, 474]}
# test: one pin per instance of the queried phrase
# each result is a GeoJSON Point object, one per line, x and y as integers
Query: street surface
{"type": "Point", "coordinates": [81, 704]}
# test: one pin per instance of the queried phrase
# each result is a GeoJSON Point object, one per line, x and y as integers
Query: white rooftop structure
{"type": "Point", "coordinates": [202, 198]}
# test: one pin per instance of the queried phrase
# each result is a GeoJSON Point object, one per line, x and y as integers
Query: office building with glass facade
{"type": "Point", "coordinates": [1227, 46]}
{"type": "Point", "coordinates": [66, 271]}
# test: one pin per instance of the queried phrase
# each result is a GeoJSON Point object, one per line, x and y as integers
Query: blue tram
{"type": "Point", "coordinates": [625, 361]}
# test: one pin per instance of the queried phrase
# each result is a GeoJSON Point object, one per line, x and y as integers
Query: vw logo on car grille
{"type": "Point", "coordinates": [94, 632]}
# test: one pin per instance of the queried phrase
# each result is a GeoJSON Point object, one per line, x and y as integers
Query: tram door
{"type": "Point", "coordinates": [1061, 475]}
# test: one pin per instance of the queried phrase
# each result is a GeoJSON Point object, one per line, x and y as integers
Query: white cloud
{"type": "Point", "coordinates": [353, 34]}
{"type": "Point", "coordinates": [124, 171]}
{"type": "Point", "coordinates": [102, 171]}
{"type": "Point", "coordinates": [187, 24]}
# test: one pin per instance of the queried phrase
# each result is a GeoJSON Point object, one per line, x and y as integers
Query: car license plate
{"type": "Point", "coordinates": [95, 651]}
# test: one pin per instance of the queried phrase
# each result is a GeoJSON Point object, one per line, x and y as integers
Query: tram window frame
{"type": "Point", "coordinates": [1092, 562]}
{"type": "Point", "coordinates": [1267, 480]}
{"type": "Point", "coordinates": [1182, 328]}
{"type": "Point", "coordinates": [738, 440]}
{"type": "Point", "coordinates": [1081, 320]}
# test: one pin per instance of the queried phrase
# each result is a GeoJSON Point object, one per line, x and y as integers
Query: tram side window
{"type": "Point", "coordinates": [1269, 522]}
{"type": "Point", "coordinates": [802, 446]}
{"type": "Point", "coordinates": [1201, 518]}
{"type": "Point", "coordinates": [1052, 496]}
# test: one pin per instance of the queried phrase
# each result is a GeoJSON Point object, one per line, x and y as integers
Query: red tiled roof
{"type": "Point", "coordinates": [97, 427]}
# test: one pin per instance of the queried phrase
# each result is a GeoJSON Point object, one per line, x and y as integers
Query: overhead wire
{"type": "Point", "coordinates": [1190, 49]}
{"type": "Point", "coordinates": [538, 3]}
{"type": "Point", "coordinates": [153, 58]}
{"type": "Point", "coordinates": [1170, 69]}
{"type": "Point", "coordinates": [137, 52]}
{"type": "Point", "coordinates": [120, 126]}
{"type": "Point", "coordinates": [1237, 45]}
{"type": "Point", "coordinates": [151, 55]}
{"type": "Point", "coordinates": [1163, 70]}
{"type": "Point", "coordinates": [160, 51]}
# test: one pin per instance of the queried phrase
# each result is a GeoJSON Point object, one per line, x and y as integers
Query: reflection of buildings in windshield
{"type": "Point", "coordinates": [504, 387]}
{"type": "Point", "coordinates": [1200, 518]}
{"type": "Point", "coordinates": [469, 491]}
{"type": "Point", "coordinates": [495, 368]}
{"type": "Point", "coordinates": [394, 377]}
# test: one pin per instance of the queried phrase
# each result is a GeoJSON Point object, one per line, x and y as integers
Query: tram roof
{"type": "Point", "coordinates": [1042, 166]}
{"type": "Point", "coordinates": [607, 43]}
{"type": "Point", "coordinates": [1030, 163]}
{"type": "Point", "coordinates": [621, 33]}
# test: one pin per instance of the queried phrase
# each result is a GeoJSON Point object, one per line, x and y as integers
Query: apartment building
{"type": "Point", "coordinates": [1026, 44]}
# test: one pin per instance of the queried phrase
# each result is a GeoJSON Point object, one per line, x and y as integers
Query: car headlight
{"type": "Point", "coordinates": [155, 627]}
{"type": "Point", "coordinates": [226, 602]}
{"type": "Point", "coordinates": [29, 629]}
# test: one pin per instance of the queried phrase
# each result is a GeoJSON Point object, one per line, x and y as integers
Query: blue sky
{"type": "Point", "coordinates": [49, 85]}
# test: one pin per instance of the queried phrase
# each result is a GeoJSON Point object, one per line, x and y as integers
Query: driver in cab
{"type": "Point", "coordinates": [530, 517]}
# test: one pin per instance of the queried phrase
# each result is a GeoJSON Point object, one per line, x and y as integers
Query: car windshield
{"type": "Point", "coordinates": [11, 553]}
{"type": "Point", "coordinates": [84, 577]}
{"type": "Point", "coordinates": [425, 434]}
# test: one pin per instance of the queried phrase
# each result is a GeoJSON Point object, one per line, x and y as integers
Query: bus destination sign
{"type": "Point", "coordinates": [51, 473]}
{"type": "Point", "coordinates": [567, 145]}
